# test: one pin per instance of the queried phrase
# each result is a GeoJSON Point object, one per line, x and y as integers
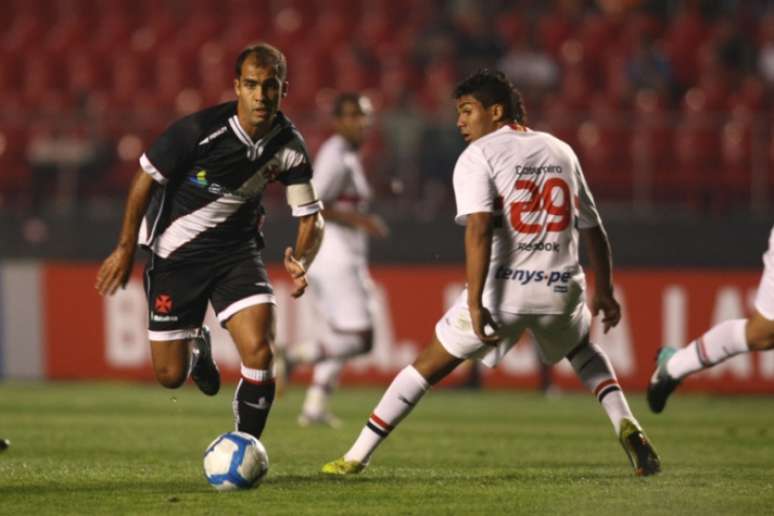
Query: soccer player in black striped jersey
{"type": "Point", "coordinates": [195, 205]}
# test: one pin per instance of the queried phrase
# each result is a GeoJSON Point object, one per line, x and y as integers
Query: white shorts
{"type": "Point", "coordinates": [764, 300]}
{"type": "Point", "coordinates": [555, 335]}
{"type": "Point", "coordinates": [344, 296]}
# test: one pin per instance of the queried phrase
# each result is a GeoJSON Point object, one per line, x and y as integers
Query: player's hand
{"type": "Point", "coordinates": [115, 271]}
{"type": "Point", "coordinates": [297, 272]}
{"type": "Point", "coordinates": [480, 318]}
{"type": "Point", "coordinates": [375, 226]}
{"type": "Point", "coordinates": [611, 310]}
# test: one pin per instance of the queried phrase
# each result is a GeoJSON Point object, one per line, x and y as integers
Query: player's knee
{"type": "Point", "coordinates": [760, 333]}
{"type": "Point", "coordinates": [257, 354]}
{"type": "Point", "coordinates": [169, 376]}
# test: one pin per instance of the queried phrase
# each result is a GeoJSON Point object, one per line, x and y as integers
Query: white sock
{"type": "Point", "coordinates": [324, 380]}
{"type": "Point", "coordinates": [595, 371]}
{"type": "Point", "coordinates": [721, 342]}
{"type": "Point", "coordinates": [401, 396]}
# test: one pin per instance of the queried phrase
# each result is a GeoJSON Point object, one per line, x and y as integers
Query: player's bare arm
{"type": "Point", "coordinates": [116, 268]}
{"type": "Point", "coordinates": [478, 248]}
{"type": "Point", "coordinates": [371, 223]}
{"type": "Point", "coordinates": [298, 260]}
{"type": "Point", "coordinates": [601, 259]}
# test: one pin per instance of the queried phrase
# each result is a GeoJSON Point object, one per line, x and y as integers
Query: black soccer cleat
{"type": "Point", "coordinates": [204, 372]}
{"type": "Point", "coordinates": [661, 384]}
{"type": "Point", "coordinates": [642, 456]}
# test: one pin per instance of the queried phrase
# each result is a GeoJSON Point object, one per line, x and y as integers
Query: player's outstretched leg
{"type": "Point", "coordinates": [204, 370]}
{"type": "Point", "coordinates": [595, 371]}
{"type": "Point", "coordinates": [329, 360]}
{"type": "Point", "coordinates": [405, 391]}
{"type": "Point", "coordinates": [316, 409]}
{"type": "Point", "coordinates": [720, 343]}
{"type": "Point", "coordinates": [401, 396]}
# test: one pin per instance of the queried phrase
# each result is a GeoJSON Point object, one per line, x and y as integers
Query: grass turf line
{"type": "Point", "coordinates": [111, 448]}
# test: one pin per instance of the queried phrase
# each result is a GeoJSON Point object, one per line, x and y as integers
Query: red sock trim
{"type": "Point", "coordinates": [379, 421]}
{"type": "Point", "coordinates": [604, 385]}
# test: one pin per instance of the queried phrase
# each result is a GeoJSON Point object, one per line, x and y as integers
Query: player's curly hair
{"type": "Point", "coordinates": [266, 55]}
{"type": "Point", "coordinates": [493, 87]}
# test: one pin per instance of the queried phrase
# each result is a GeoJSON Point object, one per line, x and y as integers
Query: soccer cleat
{"type": "Point", "coordinates": [343, 466]}
{"type": "Point", "coordinates": [323, 419]}
{"type": "Point", "coordinates": [642, 456]}
{"type": "Point", "coordinates": [205, 371]}
{"type": "Point", "coordinates": [661, 384]}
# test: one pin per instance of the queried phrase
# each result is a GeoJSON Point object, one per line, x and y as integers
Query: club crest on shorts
{"type": "Point", "coordinates": [163, 304]}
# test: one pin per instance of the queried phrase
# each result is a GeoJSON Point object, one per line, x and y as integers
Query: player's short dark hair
{"type": "Point", "coordinates": [342, 99]}
{"type": "Point", "coordinates": [493, 87]}
{"type": "Point", "coordinates": [267, 56]}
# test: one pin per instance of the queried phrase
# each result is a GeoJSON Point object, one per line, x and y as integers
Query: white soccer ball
{"type": "Point", "coordinates": [235, 460]}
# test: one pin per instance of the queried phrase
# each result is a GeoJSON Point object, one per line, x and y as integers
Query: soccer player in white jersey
{"type": "Point", "coordinates": [524, 201]}
{"type": "Point", "coordinates": [720, 343]}
{"type": "Point", "coordinates": [340, 281]}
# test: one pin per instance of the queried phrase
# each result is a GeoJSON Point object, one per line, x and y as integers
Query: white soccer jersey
{"type": "Point", "coordinates": [341, 183]}
{"type": "Point", "coordinates": [532, 182]}
{"type": "Point", "coordinates": [764, 299]}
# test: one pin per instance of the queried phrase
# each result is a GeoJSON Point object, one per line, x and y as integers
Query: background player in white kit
{"type": "Point", "coordinates": [340, 282]}
{"type": "Point", "coordinates": [721, 342]}
{"type": "Point", "coordinates": [524, 201]}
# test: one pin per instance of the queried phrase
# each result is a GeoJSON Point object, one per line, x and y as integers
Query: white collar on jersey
{"type": "Point", "coordinates": [254, 149]}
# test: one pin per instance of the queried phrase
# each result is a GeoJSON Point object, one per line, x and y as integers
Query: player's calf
{"type": "Point", "coordinates": [171, 362]}
{"type": "Point", "coordinates": [253, 399]}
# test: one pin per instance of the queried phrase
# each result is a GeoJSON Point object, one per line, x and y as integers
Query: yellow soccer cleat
{"type": "Point", "coordinates": [641, 454]}
{"type": "Point", "coordinates": [343, 466]}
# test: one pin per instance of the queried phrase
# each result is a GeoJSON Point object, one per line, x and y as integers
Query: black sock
{"type": "Point", "coordinates": [252, 402]}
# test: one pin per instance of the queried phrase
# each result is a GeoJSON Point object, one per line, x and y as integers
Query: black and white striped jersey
{"type": "Point", "coordinates": [213, 176]}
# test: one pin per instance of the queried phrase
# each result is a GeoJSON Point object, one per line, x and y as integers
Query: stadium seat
{"type": "Point", "coordinates": [554, 28]}
{"type": "Point", "coordinates": [685, 34]}
{"type": "Point", "coordinates": [14, 178]}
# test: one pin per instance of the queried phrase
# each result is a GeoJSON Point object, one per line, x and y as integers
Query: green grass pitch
{"type": "Point", "coordinates": [111, 448]}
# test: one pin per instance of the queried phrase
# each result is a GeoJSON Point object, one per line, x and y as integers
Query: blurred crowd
{"type": "Point", "coordinates": [664, 101]}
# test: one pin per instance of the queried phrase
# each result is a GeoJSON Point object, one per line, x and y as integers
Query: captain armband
{"type": "Point", "coordinates": [303, 199]}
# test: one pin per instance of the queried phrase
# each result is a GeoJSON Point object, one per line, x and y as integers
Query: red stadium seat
{"type": "Point", "coordinates": [111, 33]}
{"type": "Point", "coordinates": [85, 73]}
{"type": "Point", "coordinates": [685, 34]}
{"type": "Point", "coordinates": [25, 32]}
{"type": "Point", "coordinates": [604, 144]}
{"type": "Point", "coordinates": [554, 29]}
{"type": "Point", "coordinates": [13, 162]}
{"type": "Point", "coordinates": [67, 33]}
{"type": "Point", "coordinates": [734, 183]}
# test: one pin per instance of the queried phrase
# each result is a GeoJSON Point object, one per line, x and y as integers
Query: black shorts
{"type": "Point", "coordinates": [178, 292]}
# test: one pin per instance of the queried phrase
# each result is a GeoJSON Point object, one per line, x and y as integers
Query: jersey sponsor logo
{"type": "Point", "coordinates": [200, 178]}
{"type": "Point", "coordinates": [163, 318]}
{"type": "Point", "coordinates": [163, 304]}
{"type": "Point", "coordinates": [556, 279]}
{"type": "Point", "coordinates": [538, 246]}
